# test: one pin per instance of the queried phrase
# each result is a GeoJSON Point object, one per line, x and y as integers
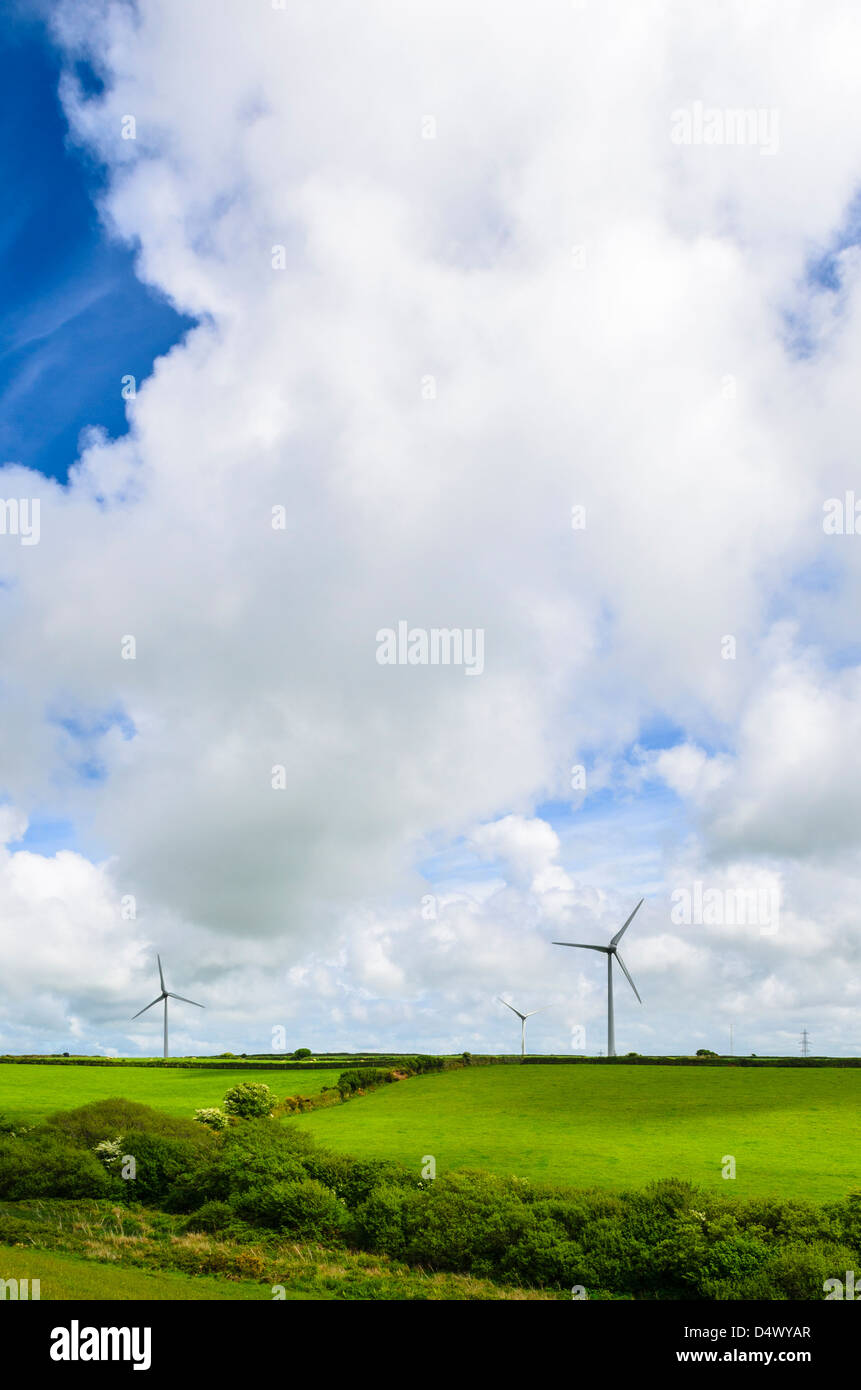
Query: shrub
{"type": "Point", "coordinates": [44, 1165]}
{"type": "Point", "coordinates": [355, 1179]}
{"type": "Point", "coordinates": [212, 1117]}
{"type": "Point", "coordinates": [292, 1105]}
{"type": "Point", "coordinates": [730, 1262]}
{"type": "Point", "coordinates": [104, 1119]}
{"type": "Point", "coordinates": [250, 1264]}
{"type": "Point", "coordinates": [360, 1078]}
{"type": "Point", "coordinates": [304, 1208]}
{"type": "Point", "coordinates": [160, 1162]}
{"type": "Point", "coordinates": [468, 1221]}
{"type": "Point", "coordinates": [381, 1222]}
{"type": "Point", "coordinates": [212, 1217]}
{"type": "Point", "coordinates": [794, 1272]}
{"type": "Point", "coordinates": [301, 1052]}
{"type": "Point", "coordinates": [672, 1194]}
{"type": "Point", "coordinates": [545, 1256]}
{"type": "Point", "coordinates": [109, 1151]}
{"type": "Point", "coordinates": [249, 1100]}
{"type": "Point", "coordinates": [844, 1219]}
{"type": "Point", "coordinates": [250, 1155]}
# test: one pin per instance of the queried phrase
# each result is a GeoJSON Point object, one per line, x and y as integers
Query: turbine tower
{"type": "Point", "coordinates": [610, 952]}
{"type": "Point", "coordinates": [523, 1018]}
{"type": "Point", "coordinates": [165, 995]}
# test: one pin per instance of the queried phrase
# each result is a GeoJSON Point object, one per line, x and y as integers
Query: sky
{"type": "Point", "coordinates": [543, 331]}
{"type": "Point", "coordinates": [73, 309]}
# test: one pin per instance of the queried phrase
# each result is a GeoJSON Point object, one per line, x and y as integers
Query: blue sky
{"type": "Point", "coordinates": [75, 317]}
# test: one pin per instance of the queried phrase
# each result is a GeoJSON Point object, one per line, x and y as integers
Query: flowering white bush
{"type": "Point", "coordinates": [212, 1117]}
{"type": "Point", "coordinates": [109, 1151]}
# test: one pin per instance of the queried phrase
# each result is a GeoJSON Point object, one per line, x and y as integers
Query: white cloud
{"type": "Point", "coordinates": [648, 378]}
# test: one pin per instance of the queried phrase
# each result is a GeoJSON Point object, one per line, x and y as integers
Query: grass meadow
{"type": "Point", "coordinates": [791, 1132]}
{"type": "Point", "coordinates": [29, 1093]}
{"type": "Point", "coordinates": [65, 1277]}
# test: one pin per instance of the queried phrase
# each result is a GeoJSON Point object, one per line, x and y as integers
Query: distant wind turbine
{"type": "Point", "coordinates": [610, 951]}
{"type": "Point", "coordinates": [165, 995]}
{"type": "Point", "coordinates": [523, 1018]}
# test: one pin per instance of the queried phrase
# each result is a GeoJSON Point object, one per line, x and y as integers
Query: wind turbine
{"type": "Point", "coordinates": [610, 951]}
{"type": "Point", "coordinates": [165, 995]}
{"type": "Point", "coordinates": [523, 1018]}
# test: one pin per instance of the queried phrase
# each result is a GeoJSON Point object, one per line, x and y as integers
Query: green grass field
{"type": "Point", "coordinates": [791, 1132]}
{"type": "Point", "coordinates": [64, 1277]}
{"type": "Point", "coordinates": [28, 1094]}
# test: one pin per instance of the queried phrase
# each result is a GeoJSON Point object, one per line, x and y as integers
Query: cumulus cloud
{"type": "Point", "coordinates": [505, 293]}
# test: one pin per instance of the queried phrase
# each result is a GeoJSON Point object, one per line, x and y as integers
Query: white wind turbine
{"type": "Point", "coordinates": [523, 1018]}
{"type": "Point", "coordinates": [165, 995]}
{"type": "Point", "coordinates": [610, 951]}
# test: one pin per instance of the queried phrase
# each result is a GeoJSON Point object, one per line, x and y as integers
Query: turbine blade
{"type": "Point", "coordinates": [511, 1007]}
{"type": "Point", "coordinates": [149, 1006]}
{"type": "Point", "coordinates": [160, 971]}
{"type": "Point", "coordinates": [170, 995]}
{"type": "Point", "coordinates": [621, 932]}
{"type": "Point", "coordinates": [583, 946]}
{"type": "Point", "coordinates": [542, 1010]}
{"type": "Point", "coordinates": [627, 975]}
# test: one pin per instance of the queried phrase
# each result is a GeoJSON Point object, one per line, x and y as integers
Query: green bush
{"type": "Point", "coordinates": [794, 1272]}
{"type": "Point", "coordinates": [355, 1179]}
{"type": "Point", "coordinates": [214, 1218]}
{"type": "Point", "coordinates": [844, 1219]}
{"type": "Point", "coordinates": [212, 1118]}
{"type": "Point", "coordinates": [382, 1221]}
{"type": "Point", "coordinates": [303, 1208]}
{"type": "Point", "coordinates": [470, 1222]}
{"type": "Point", "coordinates": [45, 1165]}
{"type": "Point", "coordinates": [360, 1079]}
{"type": "Point", "coordinates": [250, 1100]}
{"type": "Point", "coordinates": [250, 1155]}
{"type": "Point", "coordinates": [465, 1221]}
{"type": "Point", "coordinates": [160, 1162]}
{"type": "Point", "coordinates": [543, 1255]}
{"type": "Point", "coordinates": [105, 1119]}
